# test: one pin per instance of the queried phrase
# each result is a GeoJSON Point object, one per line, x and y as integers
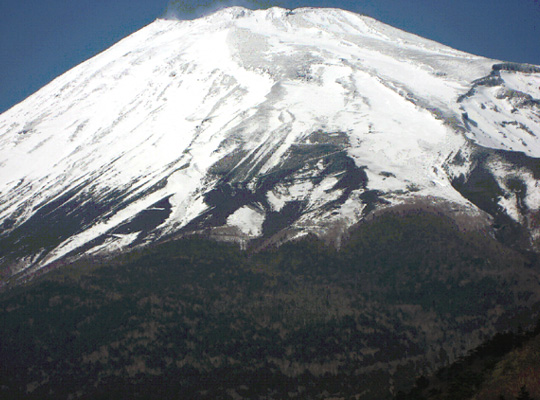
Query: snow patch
{"type": "Point", "coordinates": [248, 220]}
{"type": "Point", "coordinates": [115, 242]}
{"type": "Point", "coordinates": [276, 200]}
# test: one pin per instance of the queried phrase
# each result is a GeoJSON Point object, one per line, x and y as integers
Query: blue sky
{"type": "Point", "coordinates": [40, 40]}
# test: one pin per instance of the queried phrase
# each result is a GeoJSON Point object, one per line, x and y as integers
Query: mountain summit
{"type": "Point", "coordinates": [261, 127]}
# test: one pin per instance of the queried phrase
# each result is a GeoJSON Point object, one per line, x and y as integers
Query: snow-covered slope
{"type": "Point", "coordinates": [257, 124]}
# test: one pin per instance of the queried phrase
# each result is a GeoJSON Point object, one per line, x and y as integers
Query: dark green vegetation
{"type": "Point", "coordinates": [195, 319]}
{"type": "Point", "coordinates": [505, 367]}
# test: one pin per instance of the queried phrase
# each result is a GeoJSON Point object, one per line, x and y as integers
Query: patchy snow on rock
{"type": "Point", "coordinates": [324, 192]}
{"type": "Point", "coordinates": [248, 220]}
{"type": "Point", "coordinates": [116, 242]}
{"type": "Point", "coordinates": [276, 199]}
{"type": "Point", "coordinates": [263, 104]}
{"type": "Point", "coordinates": [532, 198]}
{"type": "Point", "coordinates": [525, 83]}
{"type": "Point", "coordinates": [504, 113]}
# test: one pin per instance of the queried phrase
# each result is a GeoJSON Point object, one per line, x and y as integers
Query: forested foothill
{"type": "Point", "coordinates": [195, 319]}
{"type": "Point", "coordinates": [507, 366]}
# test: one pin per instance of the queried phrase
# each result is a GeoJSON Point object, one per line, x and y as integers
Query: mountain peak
{"type": "Point", "coordinates": [236, 12]}
{"type": "Point", "coordinates": [180, 10]}
{"type": "Point", "coordinates": [257, 126]}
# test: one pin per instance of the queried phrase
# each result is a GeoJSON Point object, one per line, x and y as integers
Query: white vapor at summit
{"type": "Point", "coordinates": [261, 127]}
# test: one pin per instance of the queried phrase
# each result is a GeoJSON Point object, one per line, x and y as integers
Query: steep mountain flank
{"type": "Point", "coordinates": [261, 127]}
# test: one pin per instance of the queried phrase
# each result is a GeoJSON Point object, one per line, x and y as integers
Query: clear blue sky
{"type": "Point", "coordinates": [40, 40]}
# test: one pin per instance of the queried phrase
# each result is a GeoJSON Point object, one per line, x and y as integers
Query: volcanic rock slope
{"type": "Point", "coordinates": [263, 126]}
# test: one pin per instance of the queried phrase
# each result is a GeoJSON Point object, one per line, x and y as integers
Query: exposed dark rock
{"type": "Point", "coordinates": [516, 67]}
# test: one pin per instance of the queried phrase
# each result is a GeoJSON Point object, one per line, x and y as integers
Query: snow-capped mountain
{"type": "Point", "coordinates": [263, 125]}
